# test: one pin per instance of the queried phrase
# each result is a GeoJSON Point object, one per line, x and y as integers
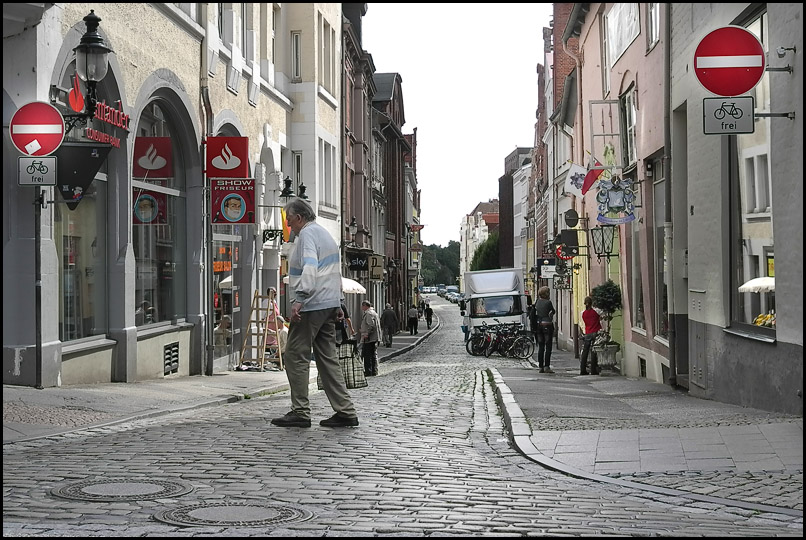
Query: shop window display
{"type": "Point", "coordinates": [158, 220]}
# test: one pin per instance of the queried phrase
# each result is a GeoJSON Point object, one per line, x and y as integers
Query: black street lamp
{"type": "Point", "coordinates": [302, 195]}
{"type": "Point", "coordinates": [92, 64]}
{"type": "Point", "coordinates": [603, 238]}
{"type": "Point", "coordinates": [288, 191]}
{"type": "Point", "coordinates": [353, 228]}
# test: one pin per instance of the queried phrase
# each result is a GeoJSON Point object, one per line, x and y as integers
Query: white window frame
{"type": "Point", "coordinates": [628, 114]}
{"type": "Point", "coordinates": [652, 24]}
{"type": "Point", "coordinates": [623, 26]}
{"type": "Point", "coordinates": [296, 56]}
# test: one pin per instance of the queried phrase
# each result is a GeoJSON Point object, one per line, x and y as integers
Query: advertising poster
{"type": "Point", "coordinates": [233, 200]}
{"type": "Point", "coordinates": [150, 208]}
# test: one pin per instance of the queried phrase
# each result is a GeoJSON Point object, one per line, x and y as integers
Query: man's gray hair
{"type": "Point", "coordinates": [366, 303]}
{"type": "Point", "coordinates": [298, 207]}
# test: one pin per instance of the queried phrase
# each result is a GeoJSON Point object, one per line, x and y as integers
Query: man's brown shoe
{"type": "Point", "coordinates": [291, 419]}
{"type": "Point", "coordinates": [338, 420]}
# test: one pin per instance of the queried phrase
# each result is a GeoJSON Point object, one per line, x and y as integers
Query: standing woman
{"type": "Point", "coordinates": [543, 327]}
{"type": "Point", "coordinates": [593, 324]}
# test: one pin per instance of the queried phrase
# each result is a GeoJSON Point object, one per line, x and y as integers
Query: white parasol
{"type": "Point", "coordinates": [759, 284]}
{"type": "Point", "coordinates": [226, 283]}
{"type": "Point", "coordinates": [350, 286]}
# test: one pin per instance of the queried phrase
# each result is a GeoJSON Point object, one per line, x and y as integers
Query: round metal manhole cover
{"type": "Point", "coordinates": [234, 514]}
{"type": "Point", "coordinates": [121, 490]}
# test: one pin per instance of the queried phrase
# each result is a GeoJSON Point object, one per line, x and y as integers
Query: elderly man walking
{"type": "Point", "coordinates": [314, 274]}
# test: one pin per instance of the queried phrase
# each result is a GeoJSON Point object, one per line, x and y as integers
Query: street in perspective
{"type": "Point", "coordinates": [449, 444]}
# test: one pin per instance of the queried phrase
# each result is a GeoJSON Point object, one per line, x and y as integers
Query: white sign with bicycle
{"type": "Point", "coordinates": [37, 171]}
{"type": "Point", "coordinates": [728, 115]}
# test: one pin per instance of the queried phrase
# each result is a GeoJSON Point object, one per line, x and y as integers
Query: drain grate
{"type": "Point", "coordinates": [124, 489]}
{"type": "Point", "coordinates": [234, 514]}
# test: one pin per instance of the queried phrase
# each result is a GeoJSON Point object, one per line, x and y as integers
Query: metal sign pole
{"type": "Point", "coordinates": [208, 364]}
{"type": "Point", "coordinates": [38, 281]}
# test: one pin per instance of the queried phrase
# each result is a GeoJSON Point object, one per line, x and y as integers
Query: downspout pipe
{"type": "Point", "coordinates": [207, 129]}
{"type": "Point", "coordinates": [579, 146]}
{"type": "Point", "coordinates": [667, 225]}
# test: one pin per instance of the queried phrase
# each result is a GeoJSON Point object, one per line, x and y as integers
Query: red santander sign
{"type": "Point", "coordinates": [37, 129]}
{"type": "Point", "coordinates": [729, 61]}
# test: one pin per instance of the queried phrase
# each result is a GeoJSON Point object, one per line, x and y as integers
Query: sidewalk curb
{"type": "Point", "coordinates": [398, 352]}
{"type": "Point", "coordinates": [520, 433]}
{"type": "Point", "coordinates": [219, 400]}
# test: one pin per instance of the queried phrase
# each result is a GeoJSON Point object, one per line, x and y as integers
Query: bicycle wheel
{"type": "Point", "coordinates": [491, 347]}
{"type": "Point", "coordinates": [475, 345]}
{"type": "Point", "coordinates": [523, 348]}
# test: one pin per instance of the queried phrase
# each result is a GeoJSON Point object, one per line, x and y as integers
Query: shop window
{"type": "Point", "coordinates": [80, 238]}
{"type": "Point", "coordinates": [158, 220]}
{"type": "Point", "coordinates": [226, 287]}
{"type": "Point", "coordinates": [637, 309]}
{"type": "Point", "coordinates": [752, 217]}
{"type": "Point", "coordinates": [661, 257]}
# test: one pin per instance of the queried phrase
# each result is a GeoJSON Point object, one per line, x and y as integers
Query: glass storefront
{"type": "Point", "coordinates": [158, 220]}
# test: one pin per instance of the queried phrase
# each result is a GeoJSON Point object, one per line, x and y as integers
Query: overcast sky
{"type": "Point", "coordinates": [469, 76]}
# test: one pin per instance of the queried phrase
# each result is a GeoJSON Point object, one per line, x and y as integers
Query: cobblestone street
{"type": "Point", "coordinates": [431, 457]}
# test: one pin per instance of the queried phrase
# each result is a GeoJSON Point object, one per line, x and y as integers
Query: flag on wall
{"type": "Point", "coordinates": [592, 176]}
{"type": "Point", "coordinates": [575, 179]}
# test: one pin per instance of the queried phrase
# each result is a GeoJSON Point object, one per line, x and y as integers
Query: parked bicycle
{"type": "Point", "coordinates": [508, 339]}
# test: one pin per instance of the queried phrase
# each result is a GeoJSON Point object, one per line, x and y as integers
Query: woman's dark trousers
{"type": "Point", "coordinates": [544, 337]}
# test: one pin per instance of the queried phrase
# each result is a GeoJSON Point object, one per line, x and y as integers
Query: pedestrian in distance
{"type": "Point", "coordinates": [370, 333]}
{"type": "Point", "coordinates": [593, 325]}
{"type": "Point", "coordinates": [315, 279]}
{"type": "Point", "coordinates": [413, 316]}
{"type": "Point", "coordinates": [541, 319]}
{"type": "Point", "coordinates": [429, 315]}
{"type": "Point", "coordinates": [389, 324]}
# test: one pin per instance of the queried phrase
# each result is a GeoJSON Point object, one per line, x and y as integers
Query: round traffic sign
{"type": "Point", "coordinates": [37, 129]}
{"type": "Point", "coordinates": [729, 61]}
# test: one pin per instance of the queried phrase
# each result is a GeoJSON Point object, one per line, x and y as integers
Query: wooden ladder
{"type": "Point", "coordinates": [259, 329]}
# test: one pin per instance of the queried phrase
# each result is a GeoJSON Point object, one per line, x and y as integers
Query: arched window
{"type": "Point", "coordinates": [158, 218]}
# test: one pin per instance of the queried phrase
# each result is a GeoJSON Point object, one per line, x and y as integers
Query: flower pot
{"type": "Point", "coordinates": [606, 354]}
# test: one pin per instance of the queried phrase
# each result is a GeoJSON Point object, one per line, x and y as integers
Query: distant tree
{"type": "Point", "coordinates": [486, 255]}
{"type": "Point", "coordinates": [440, 265]}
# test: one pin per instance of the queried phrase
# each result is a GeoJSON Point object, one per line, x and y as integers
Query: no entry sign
{"type": "Point", "coordinates": [37, 129]}
{"type": "Point", "coordinates": [729, 61]}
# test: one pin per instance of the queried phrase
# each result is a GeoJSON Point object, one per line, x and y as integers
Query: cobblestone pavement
{"type": "Point", "coordinates": [431, 458]}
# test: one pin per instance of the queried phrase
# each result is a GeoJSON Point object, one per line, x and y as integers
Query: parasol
{"type": "Point", "coordinates": [759, 284]}
{"type": "Point", "coordinates": [350, 286]}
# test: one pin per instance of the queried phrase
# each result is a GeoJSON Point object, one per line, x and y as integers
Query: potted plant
{"type": "Point", "coordinates": [607, 298]}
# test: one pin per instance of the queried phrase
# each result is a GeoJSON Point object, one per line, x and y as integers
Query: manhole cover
{"type": "Point", "coordinates": [235, 514]}
{"type": "Point", "coordinates": [121, 490]}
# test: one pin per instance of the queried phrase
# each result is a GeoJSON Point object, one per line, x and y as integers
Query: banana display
{"type": "Point", "coordinates": [765, 319]}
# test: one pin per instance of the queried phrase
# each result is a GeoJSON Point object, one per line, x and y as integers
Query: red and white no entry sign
{"type": "Point", "coordinates": [729, 61]}
{"type": "Point", "coordinates": [37, 129]}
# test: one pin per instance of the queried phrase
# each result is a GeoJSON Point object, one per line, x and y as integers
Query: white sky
{"type": "Point", "coordinates": [469, 85]}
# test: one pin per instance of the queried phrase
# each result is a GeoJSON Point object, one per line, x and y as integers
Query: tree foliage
{"type": "Point", "coordinates": [440, 265]}
{"type": "Point", "coordinates": [486, 256]}
{"type": "Point", "coordinates": [607, 297]}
